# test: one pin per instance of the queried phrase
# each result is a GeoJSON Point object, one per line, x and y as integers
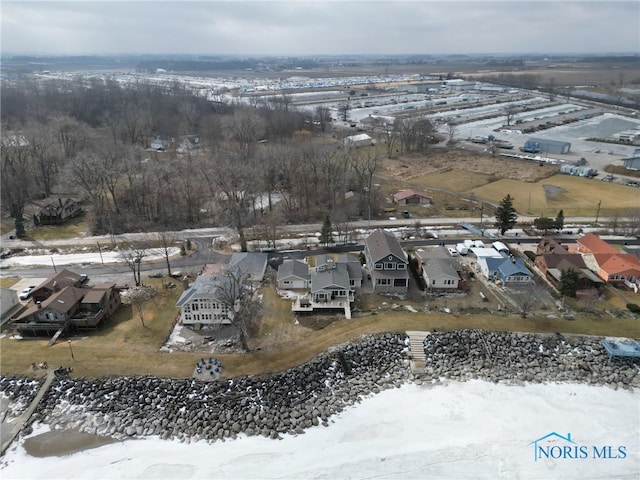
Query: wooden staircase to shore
{"type": "Point", "coordinates": [416, 350]}
{"type": "Point", "coordinates": [54, 339]}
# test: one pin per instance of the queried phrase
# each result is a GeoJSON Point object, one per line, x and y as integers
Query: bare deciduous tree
{"type": "Point", "coordinates": [138, 297]}
{"type": "Point", "coordinates": [510, 112]}
{"type": "Point", "coordinates": [133, 257]}
{"type": "Point", "coordinates": [238, 296]}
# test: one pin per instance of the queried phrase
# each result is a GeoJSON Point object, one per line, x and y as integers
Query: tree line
{"type": "Point", "coordinates": [258, 165]}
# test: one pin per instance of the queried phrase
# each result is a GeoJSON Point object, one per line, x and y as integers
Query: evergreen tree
{"type": "Point", "coordinates": [325, 233]}
{"type": "Point", "coordinates": [506, 215]}
{"type": "Point", "coordinates": [560, 220]}
{"type": "Point", "coordinates": [20, 232]}
{"type": "Point", "coordinates": [568, 283]}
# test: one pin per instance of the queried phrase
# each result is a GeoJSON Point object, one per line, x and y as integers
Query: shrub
{"type": "Point", "coordinates": [530, 255]}
{"type": "Point", "coordinates": [633, 307]}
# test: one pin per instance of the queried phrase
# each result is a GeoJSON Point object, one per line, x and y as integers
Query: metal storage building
{"type": "Point", "coordinates": [551, 146]}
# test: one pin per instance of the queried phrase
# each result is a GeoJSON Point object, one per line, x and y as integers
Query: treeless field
{"type": "Point", "coordinates": [574, 74]}
{"type": "Point", "coordinates": [576, 196]}
{"type": "Point", "coordinates": [537, 190]}
{"type": "Point", "coordinates": [417, 168]}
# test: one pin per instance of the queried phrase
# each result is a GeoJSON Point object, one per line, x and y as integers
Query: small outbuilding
{"type": "Point", "coordinates": [360, 140]}
{"type": "Point", "coordinates": [411, 197]}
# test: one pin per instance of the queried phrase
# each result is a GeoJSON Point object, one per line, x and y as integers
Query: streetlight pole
{"type": "Point", "coordinates": [71, 350]}
{"type": "Point", "coordinates": [598, 210]}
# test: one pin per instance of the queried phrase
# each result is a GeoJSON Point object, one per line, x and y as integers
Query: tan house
{"type": "Point", "coordinates": [69, 309]}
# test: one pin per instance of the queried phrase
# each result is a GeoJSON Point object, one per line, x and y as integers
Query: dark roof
{"type": "Point", "coordinates": [381, 243]}
{"type": "Point", "coordinates": [564, 261]}
{"type": "Point", "coordinates": [338, 276]}
{"type": "Point", "coordinates": [64, 278]}
{"type": "Point", "coordinates": [61, 301]}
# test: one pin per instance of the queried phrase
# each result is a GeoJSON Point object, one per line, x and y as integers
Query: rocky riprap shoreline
{"type": "Point", "coordinates": [189, 410]}
{"type": "Point", "coordinates": [306, 396]}
{"type": "Point", "coordinates": [522, 357]}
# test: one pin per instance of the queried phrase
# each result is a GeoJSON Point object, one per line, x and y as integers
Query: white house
{"type": "Point", "coordinates": [440, 274]}
{"type": "Point", "coordinates": [8, 302]}
{"type": "Point", "coordinates": [201, 304]}
{"type": "Point", "coordinates": [293, 274]}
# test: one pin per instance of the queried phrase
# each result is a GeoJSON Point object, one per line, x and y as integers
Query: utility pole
{"type": "Point", "coordinates": [598, 210]}
{"type": "Point", "coordinates": [481, 215]}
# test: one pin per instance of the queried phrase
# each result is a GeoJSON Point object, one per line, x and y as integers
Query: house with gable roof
{"type": "Point", "coordinates": [440, 271]}
{"type": "Point", "coordinates": [331, 282]}
{"type": "Point", "coordinates": [387, 263]}
{"type": "Point", "coordinates": [293, 274]}
{"type": "Point", "coordinates": [202, 303]}
{"type": "Point", "coordinates": [411, 197]}
{"type": "Point", "coordinates": [69, 308]}
{"type": "Point", "coordinates": [510, 271]}
{"type": "Point", "coordinates": [612, 266]}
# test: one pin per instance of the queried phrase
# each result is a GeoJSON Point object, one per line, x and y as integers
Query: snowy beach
{"type": "Point", "coordinates": [472, 429]}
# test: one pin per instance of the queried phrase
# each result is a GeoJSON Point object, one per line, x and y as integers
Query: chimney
{"type": "Point", "coordinates": [39, 304]}
{"type": "Point", "coordinates": [54, 285]}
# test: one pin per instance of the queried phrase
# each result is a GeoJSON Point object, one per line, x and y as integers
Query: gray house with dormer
{"type": "Point", "coordinates": [387, 263]}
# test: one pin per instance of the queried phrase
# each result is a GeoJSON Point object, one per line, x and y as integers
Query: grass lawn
{"type": "Point", "coordinates": [124, 347]}
{"type": "Point", "coordinates": [76, 227]}
{"type": "Point", "coordinates": [457, 180]}
{"type": "Point", "coordinates": [8, 282]}
{"type": "Point", "coordinates": [576, 196]}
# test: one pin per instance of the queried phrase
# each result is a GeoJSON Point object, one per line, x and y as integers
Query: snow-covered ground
{"type": "Point", "coordinates": [36, 258]}
{"type": "Point", "coordinates": [455, 431]}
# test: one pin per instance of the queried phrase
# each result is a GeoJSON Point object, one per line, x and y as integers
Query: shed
{"type": "Point", "coordinates": [360, 140]}
{"type": "Point", "coordinates": [551, 146]}
{"type": "Point", "coordinates": [500, 247]}
{"type": "Point", "coordinates": [411, 197]}
{"type": "Point", "coordinates": [632, 163]}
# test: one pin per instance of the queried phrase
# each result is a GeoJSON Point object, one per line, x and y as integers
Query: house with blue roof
{"type": "Point", "coordinates": [509, 271]}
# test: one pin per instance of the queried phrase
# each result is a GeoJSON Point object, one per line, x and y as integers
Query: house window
{"type": "Point", "coordinates": [187, 308]}
{"type": "Point", "coordinates": [378, 266]}
{"type": "Point", "coordinates": [286, 282]}
{"type": "Point", "coordinates": [194, 307]}
{"type": "Point", "coordinates": [401, 266]}
{"type": "Point", "coordinates": [383, 281]}
{"type": "Point", "coordinates": [388, 266]}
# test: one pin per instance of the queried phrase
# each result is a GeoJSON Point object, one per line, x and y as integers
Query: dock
{"type": "Point", "coordinates": [9, 436]}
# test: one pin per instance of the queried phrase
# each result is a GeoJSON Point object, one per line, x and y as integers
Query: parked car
{"type": "Point", "coordinates": [406, 214]}
{"type": "Point", "coordinates": [26, 293]}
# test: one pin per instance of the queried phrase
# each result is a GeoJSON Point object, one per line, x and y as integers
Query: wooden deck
{"type": "Point", "coordinates": [306, 305]}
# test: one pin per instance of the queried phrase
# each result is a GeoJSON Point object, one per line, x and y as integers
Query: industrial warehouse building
{"type": "Point", "coordinates": [551, 146]}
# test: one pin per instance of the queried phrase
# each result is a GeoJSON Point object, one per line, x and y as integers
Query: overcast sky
{"type": "Point", "coordinates": [306, 27]}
